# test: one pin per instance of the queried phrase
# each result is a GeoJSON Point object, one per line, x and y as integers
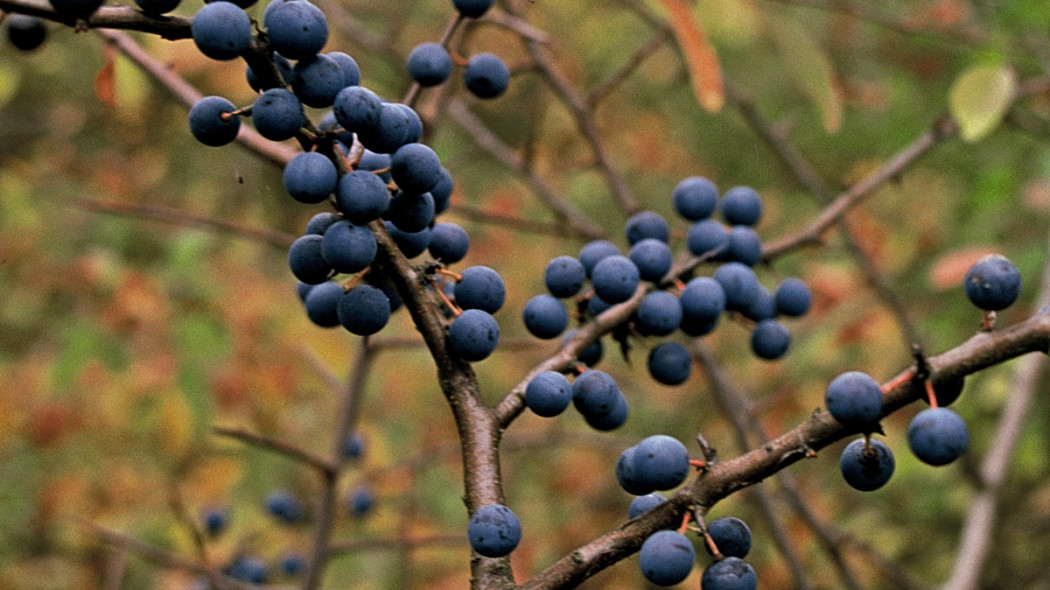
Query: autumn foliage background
{"type": "Point", "coordinates": [131, 327]}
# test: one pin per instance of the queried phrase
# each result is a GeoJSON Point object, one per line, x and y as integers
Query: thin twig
{"type": "Point", "coordinates": [578, 223]}
{"type": "Point", "coordinates": [166, 214]}
{"type": "Point", "coordinates": [277, 446]}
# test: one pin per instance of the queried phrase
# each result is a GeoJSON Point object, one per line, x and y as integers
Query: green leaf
{"type": "Point", "coordinates": [808, 67]}
{"type": "Point", "coordinates": [980, 97]}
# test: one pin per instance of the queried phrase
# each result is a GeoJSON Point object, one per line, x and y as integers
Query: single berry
{"type": "Point", "coordinates": [494, 530]}
{"type": "Point", "coordinates": [707, 238]}
{"type": "Point", "coordinates": [221, 30]}
{"type": "Point", "coordinates": [670, 363]}
{"type": "Point", "coordinates": [594, 251]}
{"type": "Point", "coordinates": [740, 284]}
{"type": "Point", "coordinates": [362, 196]}
{"type": "Point", "coordinates": [449, 243]}
{"type": "Point", "coordinates": [695, 198]}
{"type": "Point", "coordinates": [992, 283]}
{"type": "Point", "coordinates": [595, 393]}
{"type": "Point", "coordinates": [480, 287]}
{"type": "Point", "coordinates": [317, 80]}
{"type": "Point", "coordinates": [731, 573]}
{"type": "Point", "coordinates": [361, 501]}
{"type": "Point", "coordinates": [322, 304]}
{"type": "Point", "coordinates": [770, 340]}
{"type": "Point", "coordinates": [548, 394]}
{"type": "Point", "coordinates": [614, 419]}
{"type": "Point", "coordinates": [564, 276]}
{"type": "Point", "coordinates": [296, 29]}
{"type": "Point", "coordinates": [486, 76]}
{"type": "Point", "coordinates": [615, 278]}
{"type": "Point", "coordinates": [642, 504]}
{"type": "Point", "coordinates": [792, 297]}
{"type": "Point", "coordinates": [364, 310]}
{"type": "Point", "coordinates": [310, 177]}
{"type": "Point", "coordinates": [211, 122]}
{"type": "Point", "coordinates": [472, 8]}
{"type": "Point", "coordinates": [731, 535]}
{"type": "Point", "coordinates": [415, 168]}
{"type": "Point", "coordinates": [703, 300]}
{"type": "Point", "coordinates": [348, 248]}
{"type": "Point", "coordinates": [661, 462]}
{"type": "Point", "coordinates": [659, 314]}
{"type": "Point", "coordinates": [473, 335]}
{"type": "Point", "coordinates": [854, 399]}
{"type": "Point", "coordinates": [647, 224]}
{"type": "Point", "coordinates": [429, 64]}
{"type": "Point", "coordinates": [666, 558]}
{"type": "Point", "coordinates": [653, 259]}
{"type": "Point", "coordinates": [306, 261]}
{"type": "Point", "coordinates": [26, 32]}
{"type": "Point", "coordinates": [285, 506]}
{"type": "Point", "coordinates": [277, 113]}
{"type": "Point", "coordinates": [866, 464]}
{"type": "Point", "coordinates": [545, 316]}
{"type": "Point", "coordinates": [938, 436]}
{"type": "Point", "coordinates": [741, 205]}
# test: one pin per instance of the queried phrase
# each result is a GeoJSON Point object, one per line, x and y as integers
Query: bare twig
{"type": "Point", "coordinates": [276, 239]}
{"type": "Point", "coordinates": [277, 446]}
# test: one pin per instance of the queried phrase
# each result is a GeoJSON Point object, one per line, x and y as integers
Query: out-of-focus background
{"type": "Point", "coordinates": [131, 327]}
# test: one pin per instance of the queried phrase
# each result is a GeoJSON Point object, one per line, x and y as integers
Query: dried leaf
{"type": "Point", "coordinates": [980, 97]}
{"type": "Point", "coordinates": [700, 57]}
{"type": "Point", "coordinates": [106, 79]}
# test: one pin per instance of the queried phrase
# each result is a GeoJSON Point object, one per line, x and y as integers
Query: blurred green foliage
{"type": "Point", "coordinates": [124, 341]}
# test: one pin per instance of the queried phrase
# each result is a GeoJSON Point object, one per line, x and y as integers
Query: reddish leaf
{"type": "Point", "coordinates": [700, 57]}
{"type": "Point", "coordinates": [106, 79]}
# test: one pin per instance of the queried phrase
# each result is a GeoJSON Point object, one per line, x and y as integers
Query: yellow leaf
{"type": "Point", "coordinates": [700, 57]}
{"type": "Point", "coordinates": [980, 97]}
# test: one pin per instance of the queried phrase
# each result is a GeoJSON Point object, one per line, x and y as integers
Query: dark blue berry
{"type": "Point", "coordinates": [695, 198]}
{"type": "Point", "coordinates": [564, 276]}
{"type": "Point", "coordinates": [731, 535]}
{"type": "Point", "coordinates": [666, 558]}
{"type": "Point", "coordinates": [429, 64]}
{"type": "Point", "coordinates": [548, 394]}
{"type": "Point", "coordinates": [486, 76]}
{"type": "Point", "coordinates": [938, 436]}
{"type": "Point", "coordinates": [221, 30]}
{"type": "Point", "coordinates": [741, 205]}
{"type": "Point", "coordinates": [615, 278]}
{"type": "Point", "coordinates": [992, 283]}
{"type": "Point", "coordinates": [310, 177]}
{"type": "Point", "coordinates": [207, 123]}
{"type": "Point", "coordinates": [473, 335]}
{"type": "Point", "coordinates": [545, 316]}
{"type": "Point", "coordinates": [770, 340]}
{"type": "Point", "coordinates": [364, 310]}
{"type": "Point", "coordinates": [866, 466]}
{"type": "Point", "coordinates": [642, 504]}
{"type": "Point", "coordinates": [670, 363]}
{"type": "Point", "coordinates": [854, 399]}
{"type": "Point", "coordinates": [494, 530]}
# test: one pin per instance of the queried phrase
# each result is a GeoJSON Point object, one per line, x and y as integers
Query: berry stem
{"type": "Point", "coordinates": [685, 522]}
{"type": "Point", "coordinates": [898, 381]}
{"type": "Point", "coordinates": [438, 288]}
{"type": "Point", "coordinates": [700, 464]}
{"type": "Point", "coordinates": [930, 393]}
